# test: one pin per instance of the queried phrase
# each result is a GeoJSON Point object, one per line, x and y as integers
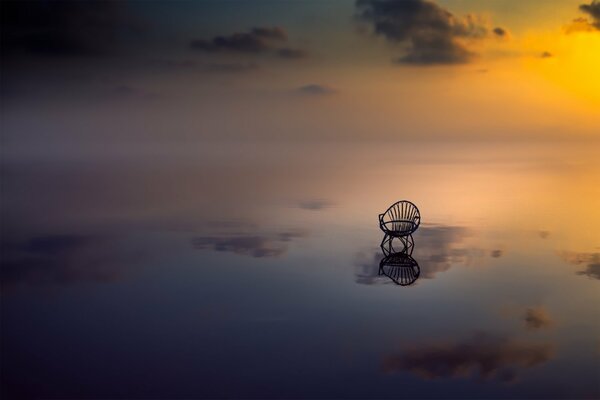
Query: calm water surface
{"type": "Point", "coordinates": [251, 270]}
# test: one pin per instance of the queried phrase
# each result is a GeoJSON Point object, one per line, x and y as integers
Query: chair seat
{"type": "Point", "coordinates": [399, 228]}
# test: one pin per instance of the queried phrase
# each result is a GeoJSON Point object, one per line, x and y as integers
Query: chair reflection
{"type": "Point", "coordinates": [401, 268]}
{"type": "Point", "coordinates": [398, 223]}
{"type": "Point", "coordinates": [403, 244]}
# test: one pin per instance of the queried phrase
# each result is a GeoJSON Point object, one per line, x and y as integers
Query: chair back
{"type": "Point", "coordinates": [402, 211]}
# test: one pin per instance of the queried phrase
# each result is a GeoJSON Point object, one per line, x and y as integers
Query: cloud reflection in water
{"type": "Point", "coordinates": [485, 356]}
{"type": "Point", "coordinates": [254, 245]}
{"type": "Point", "coordinates": [437, 248]}
{"type": "Point", "coordinates": [61, 259]}
{"type": "Point", "coordinates": [591, 262]}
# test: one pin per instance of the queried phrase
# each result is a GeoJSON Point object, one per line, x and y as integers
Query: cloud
{"type": "Point", "coordinates": [290, 53]}
{"type": "Point", "coordinates": [500, 31]}
{"type": "Point", "coordinates": [591, 262]}
{"type": "Point", "coordinates": [579, 25]}
{"type": "Point", "coordinates": [544, 234]}
{"type": "Point", "coordinates": [257, 40]}
{"type": "Point", "coordinates": [62, 259]}
{"type": "Point", "coordinates": [131, 92]}
{"type": "Point", "coordinates": [537, 318]}
{"type": "Point", "coordinates": [251, 245]}
{"type": "Point", "coordinates": [545, 54]}
{"type": "Point", "coordinates": [496, 253]}
{"type": "Point", "coordinates": [485, 356]}
{"type": "Point", "coordinates": [430, 33]}
{"type": "Point", "coordinates": [172, 63]}
{"type": "Point", "coordinates": [593, 10]}
{"type": "Point", "coordinates": [315, 205]}
{"type": "Point", "coordinates": [591, 270]}
{"type": "Point", "coordinates": [270, 33]}
{"type": "Point", "coordinates": [582, 24]}
{"type": "Point", "coordinates": [314, 89]}
{"type": "Point", "coordinates": [63, 28]}
{"type": "Point", "coordinates": [218, 67]}
{"type": "Point", "coordinates": [231, 68]}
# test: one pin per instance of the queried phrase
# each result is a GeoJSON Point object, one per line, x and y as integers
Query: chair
{"type": "Point", "coordinates": [401, 219]}
{"type": "Point", "coordinates": [399, 222]}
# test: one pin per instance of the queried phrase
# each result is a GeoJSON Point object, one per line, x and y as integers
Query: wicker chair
{"type": "Point", "coordinates": [399, 222]}
{"type": "Point", "coordinates": [401, 219]}
{"type": "Point", "coordinates": [401, 268]}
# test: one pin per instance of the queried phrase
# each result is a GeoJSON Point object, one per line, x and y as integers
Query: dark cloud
{"type": "Point", "coordinates": [169, 65]}
{"type": "Point", "coordinates": [256, 40]}
{"type": "Point", "coordinates": [63, 28]}
{"type": "Point", "coordinates": [270, 33]}
{"type": "Point", "coordinates": [484, 356]}
{"type": "Point", "coordinates": [593, 10]}
{"type": "Point", "coordinates": [62, 259]}
{"type": "Point", "coordinates": [546, 54]}
{"type": "Point", "coordinates": [290, 53]}
{"type": "Point", "coordinates": [544, 234]}
{"type": "Point", "coordinates": [315, 205]}
{"type": "Point", "coordinates": [582, 24]}
{"type": "Point", "coordinates": [132, 92]}
{"type": "Point", "coordinates": [592, 270]}
{"type": "Point", "coordinates": [172, 64]}
{"type": "Point", "coordinates": [431, 34]}
{"type": "Point", "coordinates": [537, 318]}
{"type": "Point", "coordinates": [250, 245]}
{"type": "Point", "coordinates": [231, 68]}
{"type": "Point", "coordinates": [496, 253]}
{"type": "Point", "coordinates": [500, 31]}
{"type": "Point", "coordinates": [316, 90]}
{"type": "Point", "coordinates": [591, 262]}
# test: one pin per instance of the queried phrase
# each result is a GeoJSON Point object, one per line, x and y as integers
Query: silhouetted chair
{"type": "Point", "coordinates": [399, 222]}
{"type": "Point", "coordinates": [401, 268]}
{"type": "Point", "coordinates": [401, 219]}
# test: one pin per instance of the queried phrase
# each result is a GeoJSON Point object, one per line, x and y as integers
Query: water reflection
{"type": "Point", "coordinates": [315, 204]}
{"type": "Point", "coordinates": [483, 356]}
{"type": "Point", "coordinates": [398, 223]}
{"type": "Point", "coordinates": [590, 262]}
{"type": "Point", "coordinates": [442, 246]}
{"type": "Point", "coordinates": [438, 248]}
{"type": "Point", "coordinates": [537, 318]}
{"type": "Point", "coordinates": [142, 248]}
{"type": "Point", "coordinates": [402, 244]}
{"type": "Point", "coordinates": [61, 259]}
{"type": "Point", "coordinates": [254, 245]}
{"type": "Point", "coordinates": [401, 268]}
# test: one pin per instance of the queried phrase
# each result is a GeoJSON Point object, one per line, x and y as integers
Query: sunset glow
{"type": "Point", "coordinates": [300, 199]}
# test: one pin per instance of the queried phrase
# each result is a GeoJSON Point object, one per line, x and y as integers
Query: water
{"type": "Point", "coordinates": [251, 270]}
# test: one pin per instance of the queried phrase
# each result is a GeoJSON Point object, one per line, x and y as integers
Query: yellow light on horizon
{"type": "Point", "coordinates": [572, 62]}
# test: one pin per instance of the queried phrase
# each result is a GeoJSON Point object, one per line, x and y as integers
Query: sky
{"type": "Point", "coordinates": [156, 74]}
